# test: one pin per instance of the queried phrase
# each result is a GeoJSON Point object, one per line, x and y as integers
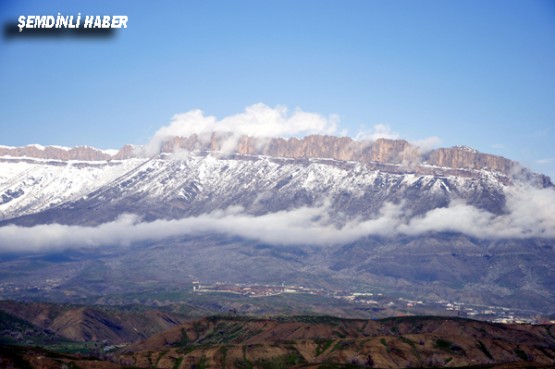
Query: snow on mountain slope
{"type": "Point", "coordinates": [249, 183]}
{"type": "Point", "coordinates": [431, 230]}
{"type": "Point", "coordinates": [31, 185]}
{"type": "Point", "coordinates": [171, 187]}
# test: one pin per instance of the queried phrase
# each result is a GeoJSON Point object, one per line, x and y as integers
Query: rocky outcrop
{"type": "Point", "coordinates": [56, 153]}
{"type": "Point", "coordinates": [126, 152]}
{"type": "Point", "coordinates": [397, 156]}
{"type": "Point", "coordinates": [316, 146]}
{"type": "Point", "coordinates": [463, 157]}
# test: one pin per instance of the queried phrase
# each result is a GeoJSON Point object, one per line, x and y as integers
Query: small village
{"type": "Point", "coordinates": [373, 302]}
{"type": "Point", "coordinates": [378, 302]}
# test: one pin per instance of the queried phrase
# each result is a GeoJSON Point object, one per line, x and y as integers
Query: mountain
{"type": "Point", "coordinates": [326, 212]}
{"type": "Point", "coordinates": [394, 168]}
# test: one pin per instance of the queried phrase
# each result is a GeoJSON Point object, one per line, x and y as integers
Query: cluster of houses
{"type": "Point", "coordinates": [490, 313]}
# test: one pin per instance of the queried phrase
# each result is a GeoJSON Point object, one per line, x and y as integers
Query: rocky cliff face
{"type": "Point", "coordinates": [394, 156]}
{"type": "Point", "coordinates": [463, 157]}
{"type": "Point", "coordinates": [56, 153]}
{"type": "Point", "coordinates": [338, 148]}
{"type": "Point", "coordinates": [126, 152]}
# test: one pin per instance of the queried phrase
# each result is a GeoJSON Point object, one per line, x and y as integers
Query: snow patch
{"type": "Point", "coordinates": [36, 146]}
{"type": "Point", "coordinates": [64, 148]}
{"type": "Point", "coordinates": [110, 152]}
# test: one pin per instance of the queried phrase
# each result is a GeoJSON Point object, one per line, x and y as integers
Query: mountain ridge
{"type": "Point", "coordinates": [221, 209]}
{"type": "Point", "coordinates": [399, 153]}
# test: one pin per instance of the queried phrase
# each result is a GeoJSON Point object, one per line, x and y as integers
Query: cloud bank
{"type": "Point", "coordinates": [529, 214]}
{"type": "Point", "coordinates": [260, 120]}
{"type": "Point", "coordinates": [378, 131]}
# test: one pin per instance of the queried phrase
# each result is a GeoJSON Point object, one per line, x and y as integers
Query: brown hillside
{"type": "Point", "coordinates": [218, 342]}
{"type": "Point", "coordinates": [78, 323]}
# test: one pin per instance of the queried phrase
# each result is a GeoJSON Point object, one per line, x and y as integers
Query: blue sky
{"type": "Point", "coordinates": [476, 73]}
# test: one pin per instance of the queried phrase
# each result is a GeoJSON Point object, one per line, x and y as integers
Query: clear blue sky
{"type": "Point", "coordinates": [476, 73]}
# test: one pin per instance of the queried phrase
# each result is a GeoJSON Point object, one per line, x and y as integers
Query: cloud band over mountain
{"type": "Point", "coordinates": [527, 215]}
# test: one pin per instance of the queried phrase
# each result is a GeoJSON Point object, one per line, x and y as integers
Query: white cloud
{"type": "Point", "coordinates": [529, 214]}
{"type": "Point", "coordinates": [262, 121]}
{"type": "Point", "coordinates": [377, 131]}
{"type": "Point", "coordinates": [427, 144]}
{"type": "Point", "coordinates": [258, 120]}
{"type": "Point", "coordinates": [385, 131]}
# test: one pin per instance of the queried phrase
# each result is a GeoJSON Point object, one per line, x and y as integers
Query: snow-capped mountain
{"type": "Point", "coordinates": [32, 185]}
{"type": "Point", "coordinates": [358, 178]}
{"type": "Point", "coordinates": [450, 222]}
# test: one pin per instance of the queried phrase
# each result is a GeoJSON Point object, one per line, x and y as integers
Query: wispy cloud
{"type": "Point", "coordinates": [378, 131]}
{"type": "Point", "coordinates": [385, 131]}
{"type": "Point", "coordinates": [529, 214]}
{"type": "Point", "coordinates": [540, 133]}
{"type": "Point", "coordinates": [428, 143]}
{"type": "Point", "coordinates": [546, 161]}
